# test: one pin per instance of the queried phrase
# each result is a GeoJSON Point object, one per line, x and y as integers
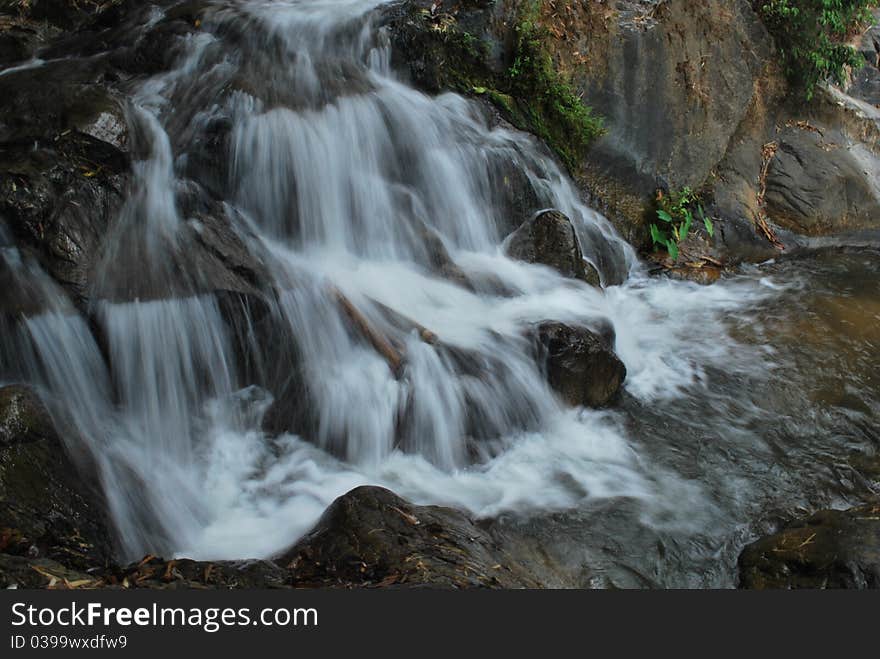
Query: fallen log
{"type": "Point", "coordinates": [405, 322]}
{"type": "Point", "coordinates": [380, 344]}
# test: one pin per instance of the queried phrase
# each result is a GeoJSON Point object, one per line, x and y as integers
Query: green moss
{"type": "Point", "coordinates": [557, 113]}
{"type": "Point", "coordinates": [503, 102]}
{"type": "Point", "coordinates": [530, 94]}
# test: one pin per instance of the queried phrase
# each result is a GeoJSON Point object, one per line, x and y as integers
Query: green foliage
{"type": "Point", "coordinates": [557, 113]}
{"type": "Point", "coordinates": [531, 94]}
{"type": "Point", "coordinates": [811, 35]}
{"type": "Point", "coordinates": [676, 212]}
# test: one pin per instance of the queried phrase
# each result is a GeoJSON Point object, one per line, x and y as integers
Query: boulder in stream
{"type": "Point", "coordinates": [372, 537]}
{"type": "Point", "coordinates": [549, 238]}
{"type": "Point", "coordinates": [831, 549]}
{"type": "Point", "coordinates": [580, 364]}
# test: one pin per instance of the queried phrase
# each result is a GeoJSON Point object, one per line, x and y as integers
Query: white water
{"type": "Point", "coordinates": [336, 186]}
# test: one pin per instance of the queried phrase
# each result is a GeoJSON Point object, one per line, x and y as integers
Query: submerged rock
{"type": "Point", "coordinates": [580, 364]}
{"type": "Point", "coordinates": [372, 537]}
{"type": "Point", "coordinates": [47, 509]}
{"type": "Point", "coordinates": [831, 549]}
{"type": "Point", "coordinates": [550, 239]}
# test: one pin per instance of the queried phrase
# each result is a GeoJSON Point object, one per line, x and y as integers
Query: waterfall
{"type": "Point", "coordinates": [336, 170]}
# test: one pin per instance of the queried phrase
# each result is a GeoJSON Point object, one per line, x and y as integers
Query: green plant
{"type": "Point", "coordinates": [811, 36]}
{"type": "Point", "coordinates": [530, 93]}
{"type": "Point", "coordinates": [555, 110]}
{"type": "Point", "coordinates": [676, 211]}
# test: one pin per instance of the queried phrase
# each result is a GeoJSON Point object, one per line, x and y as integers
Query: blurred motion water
{"type": "Point", "coordinates": [743, 399]}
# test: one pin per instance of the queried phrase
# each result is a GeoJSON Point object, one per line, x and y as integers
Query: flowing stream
{"type": "Point", "coordinates": [743, 402]}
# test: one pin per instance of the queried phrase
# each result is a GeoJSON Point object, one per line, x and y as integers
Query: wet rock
{"type": "Point", "coordinates": [372, 537]}
{"type": "Point", "coordinates": [65, 174]}
{"type": "Point", "coordinates": [47, 508]}
{"type": "Point", "coordinates": [208, 157]}
{"type": "Point", "coordinates": [20, 39]}
{"type": "Point", "coordinates": [59, 197]}
{"type": "Point", "coordinates": [64, 164]}
{"type": "Point", "coordinates": [580, 364]}
{"type": "Point", "coordinates": [31, 573]}
{"type": "Point", "coordinates": [154, 51]}
{"type": "Point", "coordinates": [513, 195]}
{"type": "Point", "coordinates": [46, 100]}
{"type": "Point", "coordinates": [23, 419]}
{"type": "Point", "coordinates": [550, 239]}
{"type": "Point", "coordinates": [817, 183]}
{"type": "Point", "coordinates": [831, 549]}
{"type": "Point", "coordinates": [157, 574]}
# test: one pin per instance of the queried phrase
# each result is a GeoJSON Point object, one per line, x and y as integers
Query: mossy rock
{"type": "Point", "coordinates": [496, 50]}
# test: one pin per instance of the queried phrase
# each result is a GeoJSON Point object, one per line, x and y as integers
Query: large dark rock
{"type": "Point", "coordinates": [818, 183]}
{"type": "Point", "coordinates": [59, 198]}
{"type": "Point", "coordinates": [369, 537]}
{"type": "Point", "coordinates": [580, 364]}
{"type": "Point", "coordinates": [66, 152]}
{"type": "Point", "coordinates": [48, 507]}
{"type": "Point", "coordinates": [831, 549]}
{"type": "Point", "coordinates": [550, 239]}
{"type": "Point", "coordinates": [372, 537]}
{"type": "Point", "coordinates": [659, 73]}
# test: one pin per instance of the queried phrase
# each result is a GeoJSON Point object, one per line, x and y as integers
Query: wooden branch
{"type": "Point", "coordinates": [405, 322]}
{"type": "Point", "coordinates": [380, 344]}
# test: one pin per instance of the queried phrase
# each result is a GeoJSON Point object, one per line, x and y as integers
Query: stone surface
{"type": "Point", "coordinates": [372, 537]}
{"type": "Point", "coordinates": [831, 549]}
{"type": "Point", "coordinates": [550, 239]}
{"type": "Point", "coordinates": [661, 74]}
{"type": "Point", "coordinates": [691, 94]}
{"type": "Point", "coordinates": [580, 364]}
{"type": "Point", "coordinates": [48, 507]}
{"type": "Point", "coordinates": [369, 537]}
{"type": "Point", "coordinates": [817, 183]}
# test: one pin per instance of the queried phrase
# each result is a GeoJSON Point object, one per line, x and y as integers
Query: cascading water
{"type": "Point", "coordinates": [337, 171]}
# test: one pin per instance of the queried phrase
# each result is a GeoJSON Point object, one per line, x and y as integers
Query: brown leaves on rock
{"type": "Point", "coordinates": [768, 152]}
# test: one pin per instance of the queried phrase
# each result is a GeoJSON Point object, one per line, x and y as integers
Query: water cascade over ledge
{"type": "Point", "coordinates": [341, 183]}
